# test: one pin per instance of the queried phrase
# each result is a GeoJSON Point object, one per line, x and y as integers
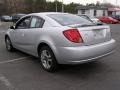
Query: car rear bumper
{"type": "Point", "coordinates": [82, 54]}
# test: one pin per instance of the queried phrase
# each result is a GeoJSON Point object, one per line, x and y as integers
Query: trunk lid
{"type": "Point", "coordinates": [94, 34]}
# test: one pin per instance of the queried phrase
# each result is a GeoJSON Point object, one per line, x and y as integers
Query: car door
{"type": "Point", "coordinates": [32, 34]}
{"type": "Point", "coordinates": [19, 32]}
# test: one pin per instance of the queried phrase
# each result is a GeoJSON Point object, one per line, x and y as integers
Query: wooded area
{"type": "Point", "coordinates": [31, 6]}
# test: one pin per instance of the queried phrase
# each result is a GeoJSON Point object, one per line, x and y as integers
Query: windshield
{"type": "Point", "coordinates": [69, 19]}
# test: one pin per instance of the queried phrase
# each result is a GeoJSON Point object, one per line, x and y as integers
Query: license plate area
{"type": "Point", "coordinates": [98, 33]}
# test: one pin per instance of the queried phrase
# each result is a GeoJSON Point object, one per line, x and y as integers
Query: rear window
{"type": "Point", "coordinates": [86, 17]}
{"type": "Point", "coordinates": [69, 19]}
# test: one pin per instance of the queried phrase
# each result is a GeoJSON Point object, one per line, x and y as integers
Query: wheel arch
{"type": "Point", "coordinates": [6, 35]}
{"type": "Point", "coordinates": [52, 47]}
{"type": "Point", "coordinates": [40, 45]}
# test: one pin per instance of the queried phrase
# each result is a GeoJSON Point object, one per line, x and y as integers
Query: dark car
{"type": "Point", "coordinates": [116, 17]}
{"type": "Point", "coordinates": [16, 17]}
{"type": "Point", "coordinates": [6, 18]}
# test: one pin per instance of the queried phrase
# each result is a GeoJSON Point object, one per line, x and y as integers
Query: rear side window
{"type": "Point", "coordinates": [33, 22]}
{"type": "Point", "coordinates": [36, 22]}
{"type": "Point", "coordinates": [69, 19]}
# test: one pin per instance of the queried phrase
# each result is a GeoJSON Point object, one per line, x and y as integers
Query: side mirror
{"type": "Point", "coordinates": [12, 27]}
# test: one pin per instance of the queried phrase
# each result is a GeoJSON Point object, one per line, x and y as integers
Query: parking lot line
{"type": "Point", "coordinates": [2, 31]}
{"type": "Point", "coordinates": [13, 60]}
{"type": "Point", "coordinates": [6, 82]}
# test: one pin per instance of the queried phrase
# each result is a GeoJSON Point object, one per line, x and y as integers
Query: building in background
{"type": "Point", "coordinates": [97, 11]}
{"type": "Point", "coordinates": [113, 11]}
{"type": "Point", "coordinates": [93, 11]}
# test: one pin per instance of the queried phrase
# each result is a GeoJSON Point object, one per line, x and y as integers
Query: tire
{"type": "Point", "coordinates": [9, 46]}
{"type": "Point", "coordinates": [47, 59]}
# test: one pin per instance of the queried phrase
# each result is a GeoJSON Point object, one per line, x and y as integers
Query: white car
{"type": "Point", "coordinates": [93, 19]}
{"type": "Point", "coordinates": [60, 38]}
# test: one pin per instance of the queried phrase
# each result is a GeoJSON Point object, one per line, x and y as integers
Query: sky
{"type": "Point", "coordinates": [89, 1]}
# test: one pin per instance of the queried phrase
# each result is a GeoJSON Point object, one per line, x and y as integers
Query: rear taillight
{"type": "Point", "coordinates": [73, 35]}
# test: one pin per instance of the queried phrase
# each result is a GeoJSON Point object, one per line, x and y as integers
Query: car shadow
{"type": "Point", "coordinates": [84, 71]}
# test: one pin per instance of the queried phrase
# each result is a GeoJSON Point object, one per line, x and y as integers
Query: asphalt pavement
{"type": "Point", "coordinates": [19, 71]}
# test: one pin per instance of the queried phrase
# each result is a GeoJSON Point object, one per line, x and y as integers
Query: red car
{"type": "Point", "coordinates": [108, 20]}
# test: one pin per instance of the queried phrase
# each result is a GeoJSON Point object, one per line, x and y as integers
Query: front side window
{"type": "Point", "coordinates": [24, 23]}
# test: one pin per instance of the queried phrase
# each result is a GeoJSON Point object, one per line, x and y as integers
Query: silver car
{"type": "Point", "coordinates": [60, 38]}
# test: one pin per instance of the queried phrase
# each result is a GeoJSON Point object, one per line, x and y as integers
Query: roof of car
{"type": "Point", "coordinates": [47, 13]}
